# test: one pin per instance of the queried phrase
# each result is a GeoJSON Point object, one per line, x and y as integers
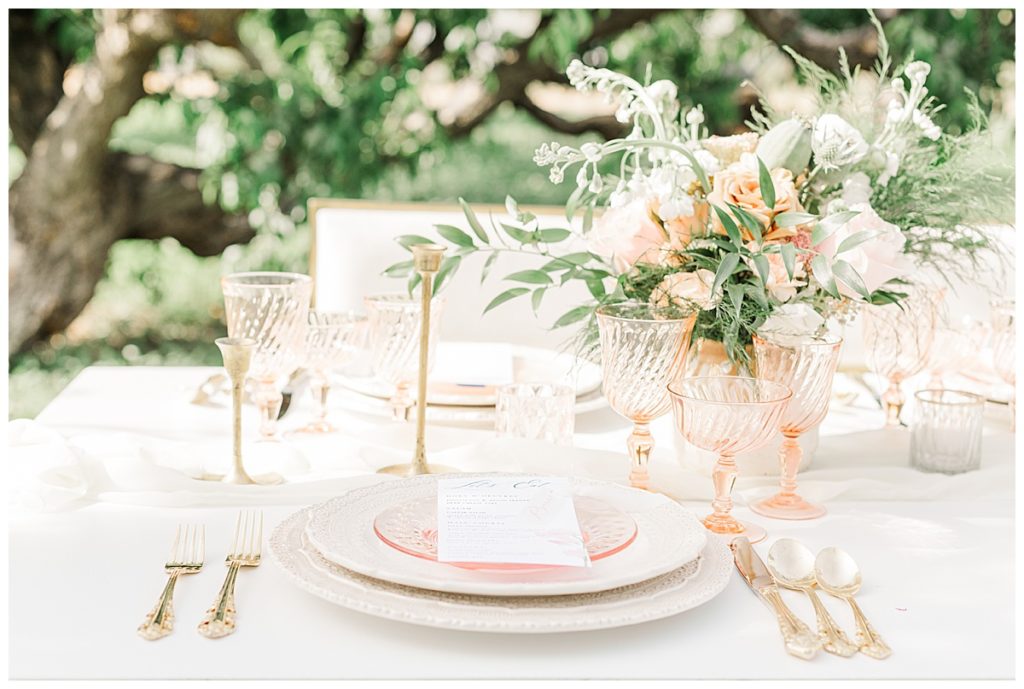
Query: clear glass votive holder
{"type": "Point", "coordinates": [536, 411]}
{"type": "Point", "coordinates": [946, 433]}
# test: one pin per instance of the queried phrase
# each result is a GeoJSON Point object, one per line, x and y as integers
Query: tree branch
{"type": "Point", "coordinates": [516, 72]}
{"type": "Point", "coordinates": [35, 87]}
{"type": "Point", "coordinates": [606, 126]}
{"type": "Point", "coordinates": [785, 27]}
{"type": "Point", "coordinates": [401, 32]}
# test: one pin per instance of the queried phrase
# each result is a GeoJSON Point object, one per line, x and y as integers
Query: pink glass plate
{"type": "Point", "coordinates": [412, 529]}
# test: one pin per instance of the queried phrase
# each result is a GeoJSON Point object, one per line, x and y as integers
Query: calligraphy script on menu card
{"type": "Point", "coordinates": [509, 520]}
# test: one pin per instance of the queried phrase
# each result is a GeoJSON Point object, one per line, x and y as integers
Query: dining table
{"type": "Point", "coordinates": [102, 477]}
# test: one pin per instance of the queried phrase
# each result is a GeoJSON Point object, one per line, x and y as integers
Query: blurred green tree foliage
{"type": "Point", "coordinates": [413, 105]}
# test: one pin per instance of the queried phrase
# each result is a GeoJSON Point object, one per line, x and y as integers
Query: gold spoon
{"type": "Point", "coordinates": [838, 574]}
{"type": "Point", "coordinates": [792, 565]}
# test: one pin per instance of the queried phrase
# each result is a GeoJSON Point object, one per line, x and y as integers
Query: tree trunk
{"type": "Point", "coordinates": [75, 198]}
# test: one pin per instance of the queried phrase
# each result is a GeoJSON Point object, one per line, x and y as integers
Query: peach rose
{"type": "Point", "coordinates": [626, 234]}
{"type": "Point", "coordinates": [729, 149]}
{"type": "Point", "coordinates": [738, 184]}
{"type": "Point", "coordinates": [686, 289]}
{"type": "Point", "coordinates": [683, 228]}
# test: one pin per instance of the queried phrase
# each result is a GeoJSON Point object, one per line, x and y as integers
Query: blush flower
{"type": "Point", "coordinates": [739, 185]}
{"type": "Point", "coordinates": [687, 290]}
{"type": "Point", "coordinates": [625, 234]}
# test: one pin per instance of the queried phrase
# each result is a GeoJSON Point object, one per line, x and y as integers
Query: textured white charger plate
{"type": "Point", "coordinates": [669, 594]}
{"type": "Point", "coordinates": [529, 365]}
{"type": "Point", "coordinates": [668, 537]}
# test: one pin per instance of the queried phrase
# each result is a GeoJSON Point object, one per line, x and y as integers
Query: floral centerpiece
{"type": "Point", "coordinates": [776, 230]}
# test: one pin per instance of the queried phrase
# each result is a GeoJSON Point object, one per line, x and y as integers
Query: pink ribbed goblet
{"type": "Point", "coordinates": [898, 338]}
{"type": "Point", "coordinates": [807, 366]}
{"type": "Point", "coordinates": [728, 415]}
{"type": "Point", "coordinates": [643, 348]}
{"type": "Point", "coordinates": [271, 308]}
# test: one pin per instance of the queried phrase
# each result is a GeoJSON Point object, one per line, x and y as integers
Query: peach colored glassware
{"type": "Point", "coordinates": [271, 308]}
{"type": "Point", "coordinates": [807, 366]}
{"type": "Point", "coordinates": [332, 340]}
{"type": "Point", "coordinates": [898, 339]}
{"type": "Point", "coordinates": [728, 415]}
{"type": "Point", "coordinates": [643, 348]}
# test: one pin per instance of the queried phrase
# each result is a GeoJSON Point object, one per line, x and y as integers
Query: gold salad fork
{"type": "Point", "coordinates": [245, 552]}
{"type": "Point", "coordinates": [186, 557]}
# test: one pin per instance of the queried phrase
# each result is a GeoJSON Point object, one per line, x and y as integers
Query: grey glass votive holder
{"type": "Point", "coordinates": [946, 433]}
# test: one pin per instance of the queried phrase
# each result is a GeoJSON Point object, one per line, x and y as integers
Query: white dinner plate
{"type": "Point", "coordinates": [668, 536]}
{"type": "Point", "coordinates": [684, 588]}
{"type": "Point", "coordinates": [524, 364]}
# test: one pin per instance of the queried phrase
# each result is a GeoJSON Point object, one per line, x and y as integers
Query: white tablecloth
{"type": "Point", "coordinates": [936, 551]}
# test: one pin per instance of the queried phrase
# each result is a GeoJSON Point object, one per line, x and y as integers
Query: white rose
{"type": "Point", "coordinates": [791, 321]}
{"type": "Point", "coordinates": [836, 143]}
{"type": "Point", "coordinates": [877, 260]}
{"type": "Point", "coordinates": [687, 289]}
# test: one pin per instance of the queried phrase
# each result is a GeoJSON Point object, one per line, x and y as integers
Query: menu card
{"type": "Point", "coordinates": [509, 520]}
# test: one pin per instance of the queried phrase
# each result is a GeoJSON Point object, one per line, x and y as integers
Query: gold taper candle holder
{"type": "Point", "coordinates": [237, 353]}
{"type": "Point", "coordinates": [427, 261]}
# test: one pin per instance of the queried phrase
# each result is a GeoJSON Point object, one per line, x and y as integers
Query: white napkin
{"type": "Point", "coordinates": [50, 472]}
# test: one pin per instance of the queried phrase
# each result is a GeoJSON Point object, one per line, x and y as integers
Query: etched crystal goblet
{"type": "Point", "coordinates": [728, 415]}
{"type": "Point", "coordinates": [898, 339]}
{"type": "Point", "coordinates": [271, 308]}
{"type": "Point", "coordinates": [394, 321]}
{"type": "Point", "coordinates": [333, 339]}
{"type": "Point", "coordinates": [806, 365]}
{"type": "Point", "coordinates": [643, 348]}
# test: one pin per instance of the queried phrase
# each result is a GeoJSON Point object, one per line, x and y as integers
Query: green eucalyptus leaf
{"type": "Point", "coordinates": [823, 274]}
{"type": "Point", "coordinates": [764, 270]}
{"type": "Point", "coordinates": [533, 277]}
{"type": "Point", "coordinates": [725, 268]}
{"type": "Point", "coordinates": [454, 235]}
{"type": "Point", "coordinates": [748, 220]}
{"type": "Point", "coordinates": [588, 219]}
{"type": "Point", "coordinates": [788, 252]}
{"type": "Point", "coordinates": [793, 218]}
{"type": "Point", "coordinates": [849, 275]}
{"type": "Point", "coordinates": [474, 222]}
{"type": "Point", "coordinates": [855, 240]}
{"type": "Point", "coordinates": [488, 264]}
{"type": "Point", "coordinates": [573, 316]}
{"type": "Point", "coordinates": [735, 292]}
{"type": "Point", "coordinates": [410, 240]}
{"type": "Point", "coordinates": [766, 184]}
{"type": "Point", "coordinates": [730, 226]}
{"type": "Point", "coordinates": [448, 267]}
{"type": "Point", "coordinates": [536, 297]}
{"type": "Point", "coordinates": [596, 288]}
{"type": "Point", "coordinates": [505, 296]}
{"type": "Point", "coordinates": [554, 235]}
{"type": "Point", "coordinates": [399, 270]}
{"type": "Point", "coordinates": [826, 226]}
{"type": "Point", "coordinates": [414, 281]}
{"type": "Point", "coordinates": [520, 235]}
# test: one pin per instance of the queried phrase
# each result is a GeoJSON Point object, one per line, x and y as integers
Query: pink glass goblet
{"type": "Point", "coordinates": [332, 340]}
{"type": "Point", "coordinates": [728, 415]}
{"type": "Point", "coordinates": [1004, 346]}
{"type": "Point", "coordinates": [271, 308]}
{"type": "Point", "coordinates": [807, 366]}
{"type": "Point", "coordinates": [643, 347]}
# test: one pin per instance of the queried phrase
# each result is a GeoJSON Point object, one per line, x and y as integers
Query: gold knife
{"type": "Point", "coordinates": [799, 639]}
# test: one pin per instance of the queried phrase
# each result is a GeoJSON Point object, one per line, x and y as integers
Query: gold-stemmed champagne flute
{"type": "Point", "coordinates": [728, 415]}
{"type": "Point", "coordinates": [333, 339]}
{"type": "Point", "coordinates": [898, 338]}
{"type": "Point", "coordinates": [394, 322]}
{"type": "Point", "coordinates": [643, 348]}
{"type": "Point", "coordinates": [271, 308]}
{"type": "Point", "coordinates": [807, 365]}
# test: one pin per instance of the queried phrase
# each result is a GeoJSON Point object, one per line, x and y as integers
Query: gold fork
{"type": "Point", "coordinates": [245, 552]}
{"type": "Point", "coordinates": [187, 555]}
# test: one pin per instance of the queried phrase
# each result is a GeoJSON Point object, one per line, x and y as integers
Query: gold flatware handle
{"type": "Point", "coordinates": [799, 640]}
{"type": "Point", "coordinates": [869, 642]}
{"type": "Point", "coordinates": [833, 639]}
{"type": "Point", "coordinates": [160, 620]}
{"type": "Point", "coordinates": [220, 618]}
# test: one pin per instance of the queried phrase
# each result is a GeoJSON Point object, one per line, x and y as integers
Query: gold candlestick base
{"type": "Point", "coordinates": [407, 470]}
